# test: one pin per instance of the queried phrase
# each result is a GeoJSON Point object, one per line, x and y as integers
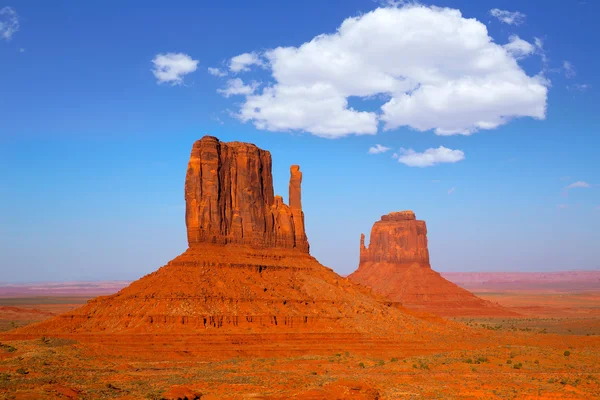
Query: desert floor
{"type": "Point", "coordinates": [552, 351]}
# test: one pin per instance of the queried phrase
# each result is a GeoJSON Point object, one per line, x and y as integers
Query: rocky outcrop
{"type": "Point", "coordinates": [396, 264]}
{"type": "Point", "coordinates": [230, 199]}
{"type": "Point", "coordinates": [397, 238]}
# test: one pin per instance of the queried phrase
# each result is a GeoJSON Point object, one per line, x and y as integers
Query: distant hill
{"type": "Point", "coordinates": [83, 288]}
{"type": "Point", "coordinates": [560, 281]}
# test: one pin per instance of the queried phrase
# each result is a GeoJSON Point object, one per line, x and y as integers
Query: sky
{"type": "Point", "coordinates": [481, 117]}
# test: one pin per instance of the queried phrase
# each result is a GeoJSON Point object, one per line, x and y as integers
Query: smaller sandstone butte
{"type": "Point", "coordinates": [396, 264]}
{"type": "Point", "coordinates": [229, 198]}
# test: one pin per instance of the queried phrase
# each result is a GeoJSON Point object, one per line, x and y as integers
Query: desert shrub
{"type": "Point", "coordinates": [362, 365]}
{"type": "Point", "coordinates": [469, 361]}
{"type": "Point", "coordinates": [509, 361]}
{"type": "Point", "coordinates": [22, 371]}
{"type": "Point", "coordinates": [7, 347]}
{"type": "Point", "coordinates": [481, 360]}
{"type": "Point", "coordinates": [537, 361]}
{"type": "Point", "coordinates": [517, 366]}
{"type": "Point", "coordinates": [394, 359]}
{"type": "Point", "coordinates": [4, 377]}
{"type": "Point", "coordinates": [313, 373]}
{"type": "Point", "coordinates": [380, 362]}
{"type": "Point", "coordinates": [567, 353]}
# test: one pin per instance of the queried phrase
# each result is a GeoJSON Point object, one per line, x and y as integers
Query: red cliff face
{"type": "Point", "coordinates": [396, 264]}
{"type": "Point", "coordinates": [397, 238]}
{"type": "Point", "coordinates": [229, 198]}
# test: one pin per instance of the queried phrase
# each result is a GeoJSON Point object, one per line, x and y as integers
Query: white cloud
{"type": "Point", "coordinates": [378, 149]}
{"type": "Point", "coordinates": [451, 190]}
{"type": "Point", "coordinates": [172, 67]}
{"type": "Point", "coordinates": [518, 47]}
{"type": "Point", "coordinates": [237, 87]}
{"type": "Point", "coordinates": [578, 184]}
{"type": "Point", "coordinates": [9, 23]}
{"type": "Point", "coordinates": [569, 69]}
{"type": "Point", "coordinates": [244, 61]}
{"type": "Point", "coordinates": [21, 50]}
{"type": "Point", "coordinates": [430, 157]}
{"type": "Point", "coordinates": [581, 87]}
{"type": "Point", "coordinates": [508, 17]}
{"type": "Point", "coordinates": [216, 72]}
{"type": "Point", "coordinates": [436, 70]}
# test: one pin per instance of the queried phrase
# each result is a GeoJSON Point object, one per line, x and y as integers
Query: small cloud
{"type": "Point", "coordinates": [508, 17]}
{"type": "Point", "coordinates": [172, 67]}
{"type": "Point", "coordinates": [539, 45]}
{"type": "Point", "coordinates": [217, 72]}
{"type": "Point", "coordinates": [563, 206]}
{"type": "Point", "coordinates": [518, 47]}
{"type": "Point", "coordinates": [242, 62]}
{"type": "Point", "coordinates": [378, 149]}
{"type": "Point", "coordinates": [580, 87]}
{"type": "Point", "coordinates": [451, 190]}
{"type": "Point", "coordinates": [21, 50]}
{"type": "Point", "coordinates": [578, 184]}
{"type": "Point", "coordinates": [9, 23]}
{"type": "Point", "coordinates": [569, 69]}
{"type": "Point", "coordinates": [237, 87]}
{"type": "Point", "coordinates": [430, 157]}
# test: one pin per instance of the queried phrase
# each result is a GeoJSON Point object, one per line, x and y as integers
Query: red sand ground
{"type": "Point", "coordinates": [472, 362]}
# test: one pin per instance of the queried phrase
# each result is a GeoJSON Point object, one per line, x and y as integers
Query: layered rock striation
{"type": "Point", "coordinates": [230, 199]}
{"type": "Point", "coordinates": [396, 264]}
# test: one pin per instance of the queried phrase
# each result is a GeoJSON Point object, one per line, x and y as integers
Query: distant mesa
{"type": "Point", "coordinates": [247, 268]}
{"type": "Point", "coordinates": [396, 264]}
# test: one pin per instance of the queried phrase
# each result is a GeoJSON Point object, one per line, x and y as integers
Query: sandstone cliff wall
{"type": "Point", "coordinates": [230, 199]}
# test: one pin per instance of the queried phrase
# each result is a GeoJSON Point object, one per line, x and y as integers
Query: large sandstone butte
{"type": "Point", "coordinates": [247, 268]}
{"type": "Point", "coordinates": [396, 264]}
{"type": "Point", "coordinates": [230, 199]}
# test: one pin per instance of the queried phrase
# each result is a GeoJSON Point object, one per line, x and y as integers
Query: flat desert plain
{"type": "Point", "coordinates": [552, 351]}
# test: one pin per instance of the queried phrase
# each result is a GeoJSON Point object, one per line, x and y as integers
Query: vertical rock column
{"type": "Point", "coordinates": [295, 199]}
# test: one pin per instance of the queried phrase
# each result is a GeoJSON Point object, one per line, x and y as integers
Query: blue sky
{"type": "Point", "coordinates": [489, 117]}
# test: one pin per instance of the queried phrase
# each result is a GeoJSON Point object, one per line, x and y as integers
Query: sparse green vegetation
{"type": "Point", "coordinates": [567, 353]}
{"type": "Point", "coordinates": [7, 347]}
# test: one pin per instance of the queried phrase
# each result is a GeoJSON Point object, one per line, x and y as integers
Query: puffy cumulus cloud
{"type": "Point", "coordinates": [216, 72]}
{"type": "Point", "coordinates": [434, 69]}
{"type": "Point", "coordinates": [518, 47]}
{"type": "Point", "coordinates": [508, 17]}
{"type": "Point", "coordinates": [172, 67]}
{"type": "Point", "coordinates": [238, 87]}
{"type": "Point", "coordinates": [243, 62]}
{"type": "Point", "coordinates": [378, 149]}
{"type": "Point", "coordinates": [429, 157]}
{"type": "Point", "coordinates": [9, 23]}
{"type": "Point", "coordinates": [578, 184]}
